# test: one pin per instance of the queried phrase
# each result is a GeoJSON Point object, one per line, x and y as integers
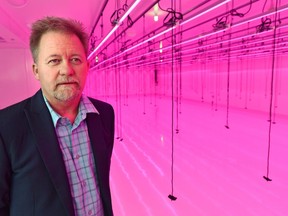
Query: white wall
{"type": "Point", "coordinates": [16, 78]}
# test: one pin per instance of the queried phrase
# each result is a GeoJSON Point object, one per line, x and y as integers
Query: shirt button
{"type": "Point", "coordinates": [90, 212]}
{"type": "Point", "coordinates": [84, 183]}
{"type": "Point", "coordinates": [77, 156]}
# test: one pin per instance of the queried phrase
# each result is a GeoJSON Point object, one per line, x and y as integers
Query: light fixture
{"type": "Point", "coordinates": [268, 13]}
{"type": "Point", "coordinates": [234, 53]}
{"type": "Point", "coordinates": [156, 9]}
{"type": "Point", "coordinates": [114, 28]}
{"type": "Point", "coordinates": [230, 40]}
{"type": "Point", "coordinates": [156, 18]}
{"type": "Point", "coordinates": [103, 41]}
{"type": "Point", "coordinates": [129, 11]}
{"type": "Point", "coordinates": [204, 11]}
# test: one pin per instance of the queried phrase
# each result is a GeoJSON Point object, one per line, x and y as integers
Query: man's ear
{"type": "Point", "coordinates": [35, 71]}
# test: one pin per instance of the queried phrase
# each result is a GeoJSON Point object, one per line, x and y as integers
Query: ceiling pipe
{"type": "Point", "coordinates": [155, 30]}
{"type": "Point", "coordinates": [209, 33]}
{"type": "Point", "coordinates": [114, 28]}
{"type": "Point", "coordinates": [98, 18]}
{"type": "Point", "coordinates": [202, 12]}
{"type": "Point", "coordinates": [240, 38]}
{"type": "Point", "coordinates": [188, 29]}
{"type": "Point", "coordinates": [134, 21]}
{"type": "Point", "coordinates": [212, 33]}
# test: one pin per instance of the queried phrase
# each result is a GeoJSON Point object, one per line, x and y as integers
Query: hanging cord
{"type": "Point", "coordinates": [271, 96]}
{"type": "Point", "coordinates": [118, 90]}
{"type": "Point", "coordinates": [265, 25]}
{"type": "Point", "coordinates": [234, 12]}
{"type": "Point", "coordinates": [93, 38]}
{"type": "Point", "coordinates": [178, 75]}
{"type": "Point", "coordinates": [228, 83]}
{"type": "Point", "coordinates": [222, 23]}
{"type": "Point", "coordinates": [171, 196]}
{"type": "Point", "coordinates": [118, 99]}
{"type": "Point", "coordinates": [142, 70]}
{"type": "Point", "coordinates": [172, 16]}
{"type": "Point", "coordinates": [115, 17]}
{"type": "Point", "coordinates": [117, 103]}
{"type": "Point", "coordinates": [264, 5]}
{"type": "Point", "coordinates": [277, 76]}
{"type": "Point", "coordinates": [228, 75]}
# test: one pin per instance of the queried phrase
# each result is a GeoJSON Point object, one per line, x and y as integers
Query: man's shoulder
{"type": "Point", "coordinates": [100, 104]}
{"type": "Point", "coordinates": [14, 112]}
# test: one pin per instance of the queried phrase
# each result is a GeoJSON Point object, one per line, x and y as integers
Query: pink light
{"type": "Point", "coordinates": [204, 35]}
{"type": "Point", "coordinates": [237, 38]}
{"type": "Point", "coordinates": [156, 18]}
{"type": "Point", "coordinates": [137, 45]}
{"type": "Point", "coordinates": [115, 28]}
{"type": "Point", "coordinates": [234, 56]}
{"type": "Point", "coordinates": [129, 11]}
{"type": "Point", "coordinates": [260, 53]}
{"type": "Point", "coordinates": [204, 46]}
{"type": "Point", "coordinates": [149, 39]}
{"type": "Point", "coordinates": [210, 34]}
{"type": "Point", "coordinates": [281, 9]}
{"type": "Point", "coordinates": [156, 8]}
{"type": "Point", "coordinates": [206, 10]}
{"type": "Point", "coordinates": [103, 41]}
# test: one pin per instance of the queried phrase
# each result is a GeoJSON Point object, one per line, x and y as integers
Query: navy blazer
{"type": "Point", "coordinates": [33, 179]}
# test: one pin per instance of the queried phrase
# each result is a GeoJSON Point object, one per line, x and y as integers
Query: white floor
{"type": "Point", "coordinates": [217, 171]}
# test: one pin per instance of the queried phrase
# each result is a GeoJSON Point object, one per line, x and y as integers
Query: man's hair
{"type": "Point", "coordinates": [56, 24]}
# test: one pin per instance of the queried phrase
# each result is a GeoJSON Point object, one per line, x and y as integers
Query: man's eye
{"type": "Point", "coordinates": [54, 61]}
{"type": "Point", "coordinates": [76, 61]}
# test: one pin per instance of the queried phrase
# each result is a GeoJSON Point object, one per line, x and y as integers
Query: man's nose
{"type": "Point", "coordinates": [66, 68]}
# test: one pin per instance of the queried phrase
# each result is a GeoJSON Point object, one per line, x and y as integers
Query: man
{"type": "Point", "coordinates": [56, 147]}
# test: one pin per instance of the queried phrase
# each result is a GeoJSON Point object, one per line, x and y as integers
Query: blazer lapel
{"type": "Point", "coordinates": [42, 127]}
{"type": "Point", "coordinates": [101, 157]}
{"type": "Point", "coordinates": [97, 140]}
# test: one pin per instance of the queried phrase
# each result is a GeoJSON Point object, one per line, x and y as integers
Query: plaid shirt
{"type": "Point", "coordinates": [78, 158]}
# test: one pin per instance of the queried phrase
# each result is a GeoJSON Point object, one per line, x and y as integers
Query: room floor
{"type": "Point", "coordinates": [216, 170]}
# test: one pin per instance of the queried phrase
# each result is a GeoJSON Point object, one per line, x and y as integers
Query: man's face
{"type": "Point", "coordinates": [61, 67]}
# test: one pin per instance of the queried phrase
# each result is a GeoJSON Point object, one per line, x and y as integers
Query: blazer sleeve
{"type": "Point", "coordinates": [5, 179]}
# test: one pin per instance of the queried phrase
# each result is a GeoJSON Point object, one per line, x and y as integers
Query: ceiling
{"type": "Point", "coordinates": [16, 16]}
{"type": "Point", "coordinates": [206, 34]}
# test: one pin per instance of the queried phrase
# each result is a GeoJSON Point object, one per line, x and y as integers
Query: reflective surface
{"type": "Point", "coordinates": [217, 171]}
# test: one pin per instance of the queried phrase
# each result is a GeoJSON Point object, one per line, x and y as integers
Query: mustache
{"type": "Point", "coordinates": [66, 81]}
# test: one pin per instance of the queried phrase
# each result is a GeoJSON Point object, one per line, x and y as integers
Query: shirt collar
{"type": "Point", "coordinates": [85, 106]}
